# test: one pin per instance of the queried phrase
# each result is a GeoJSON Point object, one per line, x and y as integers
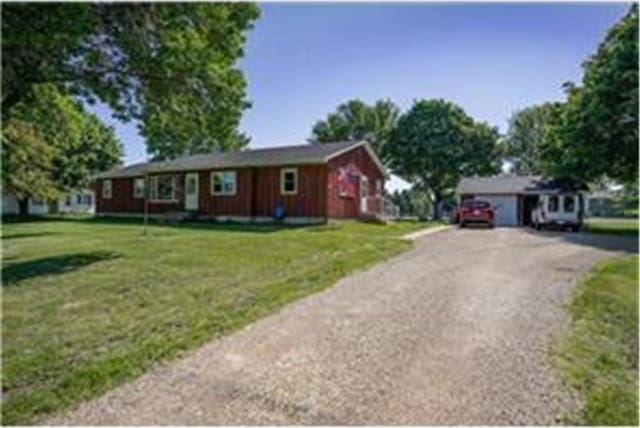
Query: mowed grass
{"type": "Point", "coordinates": [617, 226]}
{"type": "Point", "coordinates": [88, 304]}
{"type": "Point", "coordinates": [599, 357]}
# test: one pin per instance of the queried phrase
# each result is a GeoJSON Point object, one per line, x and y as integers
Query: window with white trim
{"type": "Point", "coordinates": [289, 181]}
{"type": "Point", "coordinates": [106, 189]}
{"type": "Point", "coordinates": [379, 188]}
{"type": "Point", "coordinates": [223, 183]}
{"type": "Point", "coordinates": [138, 188]}
{"type": "Point", "coordinates": [552, 204]}
{"type": "Point", "coordinates": [342, 188]}
{"type": "Point", "coordinates": [162, 188]}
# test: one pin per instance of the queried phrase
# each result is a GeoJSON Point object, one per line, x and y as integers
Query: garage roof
{"type": "Point", "coordinates": [514, 184]}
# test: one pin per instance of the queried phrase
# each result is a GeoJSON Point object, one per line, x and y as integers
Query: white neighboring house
{"type": "Point", "coordinates": [80, 202]}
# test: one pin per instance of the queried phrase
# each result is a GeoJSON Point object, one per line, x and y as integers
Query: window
{"type": "Point", "coordinates": [289, 181]}
{"type": "Point", "coordinates": [163, 188]}
{"type": "Point", "coordinates": [569, 204]}
{"type": "Point", "coordinates": [37, 202]}
{"type": "Point", "coordinates": [223, 183]}
{"type": "Point", "coordinates": [67, 201]}
{"type": "Point", "coordinates": [138, 188]}
{"type": "Point", "coordinates": [379, 188]}
{"type": "Point", "coordinates": [475, 204]}
{"type": "Point", "coordinates": [79, 199]}
{"type": "Point", "coordinates": [342, 189]}
{"type": "Point", "coordinates": [106, 189]}
{"type": "Point", "coordinates": [552, 205]}
{"type": "Point", "coordinates": [364, 187]}
{"type": "Point", "coordinates": [87, 199]}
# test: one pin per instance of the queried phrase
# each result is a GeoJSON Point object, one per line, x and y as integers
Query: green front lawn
{"type": "Point", "coordinates": [88, 304]}
{"type": "Point", "coordinates": [618, 226]}
{"type": "Point", "coordinates": [599, 356]}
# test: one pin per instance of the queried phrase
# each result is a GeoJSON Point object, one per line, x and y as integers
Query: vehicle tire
{"type": "Point", "coordinates": [538, 226]}
{"type": "Point", "coordinates": [462, 225]}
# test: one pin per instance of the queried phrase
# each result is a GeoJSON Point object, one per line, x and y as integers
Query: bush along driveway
{"type": "Point", "coordinates": [88, 304]}
{"type": "Point", "coordinates": [456, 331]}
{"type": "Point", "coordinates": [599, 356]}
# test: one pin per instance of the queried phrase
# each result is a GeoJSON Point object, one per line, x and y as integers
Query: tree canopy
{"type": "Point", "coordinates": [355, 120]}
{"type": "Point", "coordinates": [51, 144]}
{"type": "Point", "coordinates": [526, 135]}
{"type": "Point", "coordinates": [436, 143]}
{"type": "Point", "coordinates": [172, 66]}
{"type": "Point", "coordinates": [595, 133]}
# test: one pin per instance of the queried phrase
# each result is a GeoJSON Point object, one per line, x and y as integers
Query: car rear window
{"type": "Point", "coordinates": [476, 204]}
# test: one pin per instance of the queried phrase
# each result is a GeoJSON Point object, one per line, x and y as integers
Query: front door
{"type": "Point", "coordinates": [364, 193]}
{"type": "Point", "coordinates": [191, 192]}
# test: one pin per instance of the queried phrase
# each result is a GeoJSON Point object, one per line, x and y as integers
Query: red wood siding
{"type": "Point", "coordinates": [309, 201]}
{"type": "Point", "coordinates": [227, 205]}
{"type": "Point", "coordinates": [122, 200]}
{"type": "Point", "coordinates": [257, 193]}
{"type": "Point", "coordinates": [349, 207]}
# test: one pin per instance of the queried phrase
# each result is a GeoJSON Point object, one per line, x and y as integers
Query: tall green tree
{"type": "Point", "coordinates": [355, 121]}
{"type": "Point", "coordinates": [525, 137]}
{"type": "Point", "coordinates": [51, 144]}
{"type": "Point", "coordinates": [596, 133]}
{"type": "Point", "coordinates": [27, 164]}
{"type": "Point", "coordinates": [436, 143]}
{"type": "Point", "coordinates": [172, 66]}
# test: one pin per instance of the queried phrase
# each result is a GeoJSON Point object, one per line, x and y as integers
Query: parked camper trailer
{"type": "Point", "coordinates": [560, 210]}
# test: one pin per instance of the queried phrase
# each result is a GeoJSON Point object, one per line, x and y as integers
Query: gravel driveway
{"type": "Point", "coordinates": [455, 331]}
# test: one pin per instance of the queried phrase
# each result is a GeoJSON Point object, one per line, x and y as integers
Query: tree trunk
{"type": "Point", "coordinates": [437, 202]}
{"type": "Point", "coordinates": [23, 207]}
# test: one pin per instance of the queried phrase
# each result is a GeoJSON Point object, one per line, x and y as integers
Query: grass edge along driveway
{"type": "Point", "coordinates": [598, 357]}
{"type": "Point", "coordinates": [89, 304]}
{"type": "Point", "coordinates": [612, 226]}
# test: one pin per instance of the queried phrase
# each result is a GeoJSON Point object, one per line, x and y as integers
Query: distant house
{"type": "Point", "coordinates": [82, 202]}
{"type": "Point", "coordinates": [297, 184]}
{"type": "Point", "coordinates": [514, 196]}
{"type": "Point", "coordinates": [79, 202]}
{"type": "Point", "coordinates": [602, 203]}
{"type": "Point", "coordinates": [35, 206]}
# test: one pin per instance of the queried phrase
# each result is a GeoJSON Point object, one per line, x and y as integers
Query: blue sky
{"type": "Point", "coordinates": [302, 60]}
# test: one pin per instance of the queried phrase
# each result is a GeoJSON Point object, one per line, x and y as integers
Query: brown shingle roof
{"type": "Point", "coordinates": [274, 156]}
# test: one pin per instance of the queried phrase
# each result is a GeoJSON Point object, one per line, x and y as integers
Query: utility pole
{"type": "Point", "coordinates": [146, 204]}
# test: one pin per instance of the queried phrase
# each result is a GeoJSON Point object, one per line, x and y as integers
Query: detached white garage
{"type": "Point", "coordinates": [513, 197]}
{"type": "Point", "coordinates": [505, 207]}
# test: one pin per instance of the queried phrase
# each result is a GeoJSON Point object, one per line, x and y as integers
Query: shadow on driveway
{"type": "Point", "coordinates": [606, 242]}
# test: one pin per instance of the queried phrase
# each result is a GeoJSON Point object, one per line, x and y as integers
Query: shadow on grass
{"type": "Point", "coordinates": [26, 235]}
{"type": "Point", "coordinates": [187, 224]}
{"type": "Point", "coordinates": [612, 231]}
{"type": "Point", "coordinates": [13, 273]}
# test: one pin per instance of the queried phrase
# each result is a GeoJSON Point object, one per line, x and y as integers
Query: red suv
{"type": "Point", "coordinates": [476, 212]}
